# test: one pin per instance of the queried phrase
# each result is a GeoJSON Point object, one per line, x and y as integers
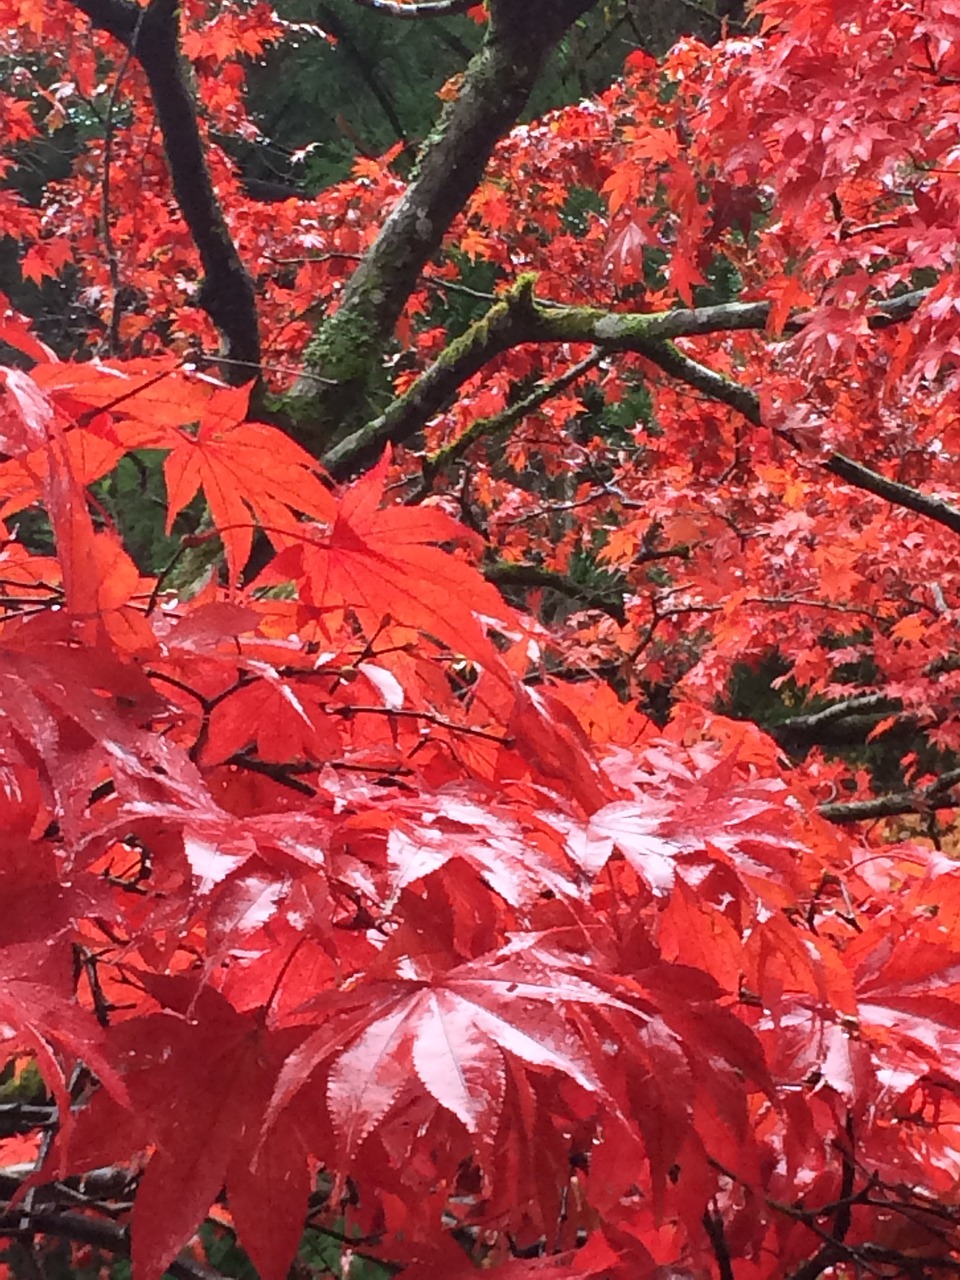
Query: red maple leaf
{"type": "Point", "coordinates": [383, 562]}
{"type": "Point", "coordinates": [200, 1076]}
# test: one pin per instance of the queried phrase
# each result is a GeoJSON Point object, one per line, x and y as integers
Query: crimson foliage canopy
{"type": "Point", "coordinates": [397, 872]}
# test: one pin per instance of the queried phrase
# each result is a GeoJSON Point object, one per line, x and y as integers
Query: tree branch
{"type": "Point", "coordinates": [747, 402]}
{"type": "Point", "coordinates": [111, 1183]}
{"type": "Point", "coordinates": [849, 721]}
{"type": "Point", "coordinates": [94, 1231]}
{"type": "Point", "coordinates": [45, 1213]}
{"type": "Point", "coordinates": [23, 1117]}
{"type": "Point", "coordinates": [521, 318]}
{"type": "Point", "coordinates": [499, 330]}
{"type": "Point", "coordinates": [713, 1225]}
{"type": "Point", "coordinates": [332, 23]}
{"type": "Point", "coordinates": [499, 423]}
{"type": "Point", "coordinates": [348, 346]}
{"type": "Point", "coordinates": [927, 800]}
{"type": "Point", "coordinates": [227, 294]}
{"type": "Point", "coordinates": [530, 577]}
{"type": "Point", "coordinates": [878, 702]}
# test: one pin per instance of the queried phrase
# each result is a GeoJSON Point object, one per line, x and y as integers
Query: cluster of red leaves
{"type": "Point", "coordinates": [354, 885]}
{"type": "Point", "coordinates": [813, 165]}
{"type": "Point", "coordinates": [353, 895]}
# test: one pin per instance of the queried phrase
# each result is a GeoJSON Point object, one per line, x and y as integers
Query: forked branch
{"type": "Point", "coordinates": [518, 318]}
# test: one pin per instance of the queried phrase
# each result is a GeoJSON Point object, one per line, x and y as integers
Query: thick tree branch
{"type": "Point", "coordinates": [927, 800]}
{"type": "Point", "coordinates": [613, 327]}
{"type": "Point", "coordinates": [612, 332]}
{"type": "Point", "coordinates": [349, 345]}
{"type": "Point", "coordinates": [227, 295]}
{"type": "Point", "coordinates": [899, 495]}
{"type": "Point", "coordinates": [520, 318]}
{"type": "Point", "coordinates": [499, 330]}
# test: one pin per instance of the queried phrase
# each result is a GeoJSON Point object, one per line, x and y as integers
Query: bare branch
{"type": "Point", "coordinates": [22, 1117]}
{"type": "Point", "coordinates": [113, 261]}
{"type": "Point", "coordinates": [847, 722]}
{"type": "Point", "coordinates": [94, 1231]}
{"type": "Point", "coordinates": [532, 577]}
{"type": "Point", "coordinates": [713, 1225]}
{"type": "Point", "coordinates": [227, 295]}
{"type": "Point", "coordinates": [863, 703]}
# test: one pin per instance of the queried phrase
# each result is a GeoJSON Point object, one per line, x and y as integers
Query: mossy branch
{"type": "Point", "coordinates": [348, 346]}
{"type": "Point", "coordinates": [493, 333]}
{"type": "Point", "coordinates": [521, 318]}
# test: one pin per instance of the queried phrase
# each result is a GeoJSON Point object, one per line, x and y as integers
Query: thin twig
{"type": "Point", "coordinates": [428, 717]}
{"type": "Point", "coordinates": [713, 1225]}
{"type": "Point", "coordinates": [113, 262]}
{"type": "Point", "coordinates": [497, 423]}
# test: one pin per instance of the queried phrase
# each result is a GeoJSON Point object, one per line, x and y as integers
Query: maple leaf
{"type": "Point", "coordinates": [15, 330]}
{"type": "Point", "coordinates": [684, 273]}
{"type": "Point", "coordinates": [715, 812]}
{"type": "Point", "coordinates": [39, 1017]}
{"type": "Point", "coordinates": [78, 459]}
{"type": "Point", "coordinates": [623, 186]}
{"type": "Point", "coordinates": [59, 718]}
{"type": "Point", "coordinates": [551, 739]}
{"type": "Point", "coordinates": [248, 472]}
{"type": "Point", "coordinates": [624, 252]}
{"type": "Point", "coordinates": [384, 562]}
{"type": "Point", "coordinates": [455, 1033]}
{"type": "Point", "coordinates": [18, 118]}
{"type": "Point", "coordinates": [286, 723]}
{"type": "Point", "coordinates": [27, 416]}
{"type": "Point", "coordinates": [494, 843]}
{"type": "Point", "coordinates": [199, 1077]}
{"type": "Point", "coordinates": [45, 259]}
